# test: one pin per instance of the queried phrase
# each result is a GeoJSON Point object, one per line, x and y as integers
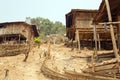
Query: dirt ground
{"type": "Point", "coordinates": [15, 69]}
{"type": "Point", "coordinates": [19, 70]}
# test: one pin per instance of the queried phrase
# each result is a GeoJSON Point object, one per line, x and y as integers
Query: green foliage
{"type": "Point", "coordinates": [37, 40]}
{"type": "Point", "coordinates": [47, 27]}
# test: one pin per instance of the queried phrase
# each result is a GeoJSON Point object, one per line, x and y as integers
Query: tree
{"type": "Point", "coordinates": [47, 27]}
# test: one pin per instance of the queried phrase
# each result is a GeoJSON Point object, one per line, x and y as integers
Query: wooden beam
{"type": "Point", "coordinates": [109, 23]}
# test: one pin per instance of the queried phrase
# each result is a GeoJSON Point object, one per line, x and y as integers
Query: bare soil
{"type": "Point", "coordinates": [30, 70]}
{"type": "Point", "coordinates": [19, 70]}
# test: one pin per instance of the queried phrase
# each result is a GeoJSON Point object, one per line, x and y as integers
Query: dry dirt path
{"type": "Point", "coordinates": [19, 70]}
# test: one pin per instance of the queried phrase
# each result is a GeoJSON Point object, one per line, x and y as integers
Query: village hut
{"type": "Point", "coordinates": [16, 38]}
{"type": "Point", "coordinates": [79, 27]}
{"type": "Point", "coordinates": [17, 31]}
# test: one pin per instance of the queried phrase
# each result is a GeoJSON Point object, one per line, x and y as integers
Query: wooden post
{"type": "Point", "coordinates": [93, 62]}
{"type": "Point", "coordinates": [114, 75]}
{"type": "Point", "coordinates": [95, 38]}
{"type": "Point", "coordinates": [48, 51]}
{"type": "Point", "coordinates": [91, 43]}
{"type": "Point", "coordinates": [6, 74]}
{"type": "Point", "coordinates": [99, 43]}
{"type": "Point", "coordinates": [19, 38]}
{"type": "Point", "coordinates": [78, 39]}
{"type": "Point", "coordinates": [111, 29]}
{"type": "Point", "coordinates": [5, 38]}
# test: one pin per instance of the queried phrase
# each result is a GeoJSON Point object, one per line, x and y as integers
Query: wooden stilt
{"type": "Point", "coordinates": [93, 63]}
{"type": "Point", "coordinates": [78, 39]}
{"type": "Point", "coordinates": [5, 38]}
{"type": "Point", "coordinates": [95, 38]}
{"type": "Point", "coordinates": [48, 52]}
{"type": "Point", "coordinates": [19, 38]}
{"type": "Point", "coordinates": [99, 44]}
{"type": "Point", "coordinates": [91, 43]}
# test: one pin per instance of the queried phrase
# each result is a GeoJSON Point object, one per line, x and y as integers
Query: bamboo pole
{"type": "Point", "coordinates": [111, 30]}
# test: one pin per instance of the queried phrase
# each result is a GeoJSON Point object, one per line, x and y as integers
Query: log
{"type": "Point", "coordinates": [112, 61]}
{"type": "Point", "coordinates": [87, 75]}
